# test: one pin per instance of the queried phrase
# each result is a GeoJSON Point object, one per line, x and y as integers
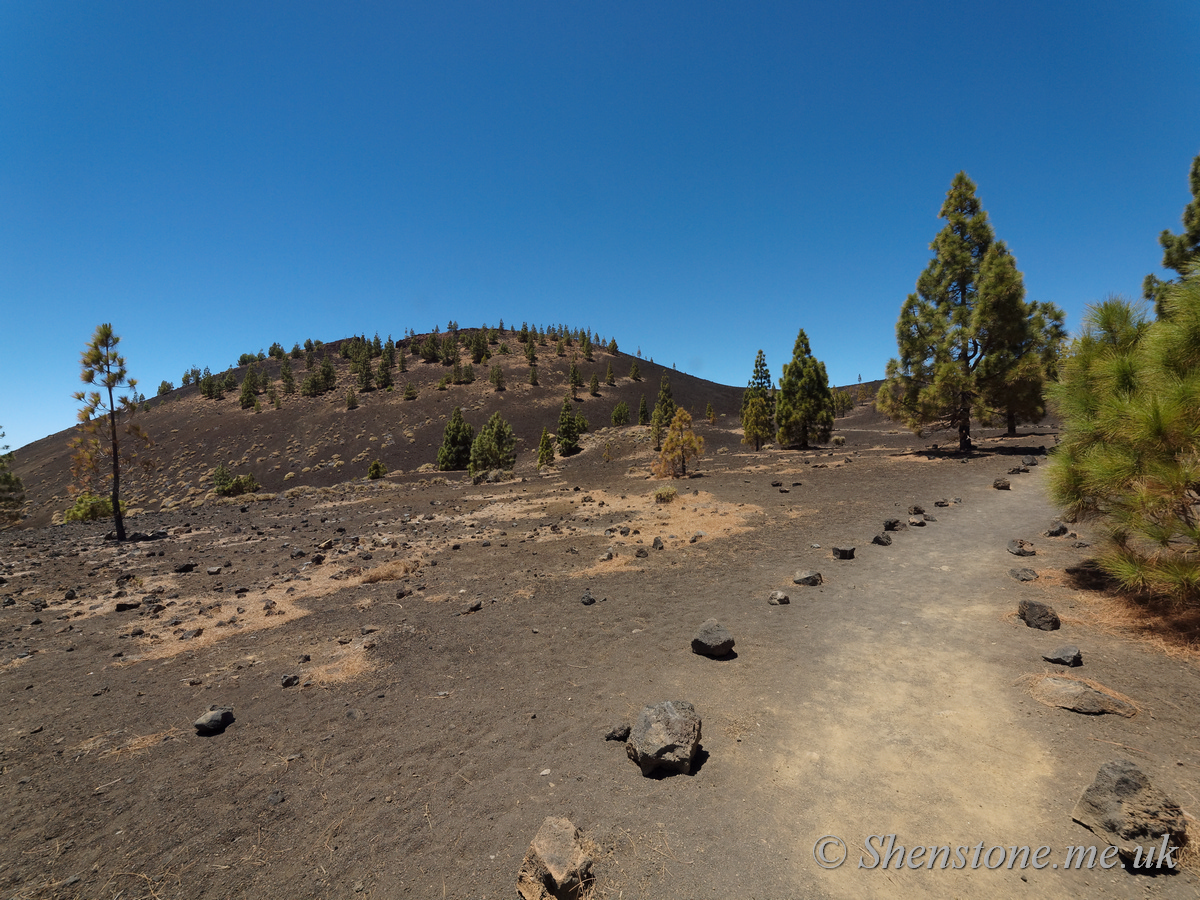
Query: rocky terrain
{"type": "Point", "coordinates": [410, 675]}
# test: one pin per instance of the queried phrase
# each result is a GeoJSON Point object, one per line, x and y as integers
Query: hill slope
{"type": "Point", "coordinates": [317, 441]}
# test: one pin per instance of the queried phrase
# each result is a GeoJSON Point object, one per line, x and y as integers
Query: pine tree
{"type": "Point", "coordinates": [327, 377]}
{"type": "Point", "coordinates": [497, 377]}
{"type": "Point", "coordinates": [545, 450]}
{"type": "Point", "coordinates": [710, 414]}
{"type": "Point", "coordinates": [756, 423]}
{"type": "Point", "coordinates": [665, 406]}
{"type": "Point", "coordinates": [1130, 450]}
{"type": "Point", "coordinates": [286, 377]}
{"type": "Point", "coordinates": [760, 385]}
{"type": "Point", "coordinates": [99, 435]}
{"type": "Point", "coordinates": [804, 408]}
{"type": "Point", "coordinates": [657, 427]}
{"type": "Point", "coordinates": [248, 385]}
{"type": "Point", "coordinates": [455, 452]}
{"type": "Point", "coordinates": [431, 348]}
{"type": "Point", "coordinates": [495, 447]}
{"type": "Point", "coordinates": [383, 377]}
{"type": "Point", "coordinates": [612, 347]}
{"type": "Point", "coordinates": [533, 379]}
{"type": "Point", "coordinates": [410, 391]}
{"type": "Point", "coordinates": [568, 429]}
{"type": "Point", "coordinates": [402, 361]}
{"type": "Point", "coordinates": [643, 412]}
{"type": "Point", "coordinates": [575, 380]}
{"type": "Point", "coordinates": [620, 414]}
{"type": "Point", "coordinates": [609, 377]}
{"type": "Point", "coordinates": [681, 444]}
{"type": "Point", "coordinates": [1179, 250]}
{"type": "Point", "coordinates": [12, 491]}
{"type": "Point", "coordinates": [530, 353]}
{"type": "Point", "coordinates": [634, 373]}
{"type": "Point", "coordinates": [594, 386]}
{"type": "Point", "coordinates": [351, 400]}
{"type": "Point", "coordinates": [964, 331]}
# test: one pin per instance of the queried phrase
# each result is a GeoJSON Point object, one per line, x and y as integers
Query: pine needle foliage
{"type": "Point", "coordinates": [12, 491]}
{"type": "Point", "coordinates": [455, 452]}
{"type": "Point", "coordinates": [681, 444]}
{"type": "Point", "coordinates": [495, 447]}
{"type": "Point", "coordinates": [1129, 395]}
{"type": "Point", "coordinates": [1180, 251]}
{"type": "Point", "coordinates": [99, 443]}
{"type": "Point", "coordinates": [545, 450]}
{"type": "Point", "coordinates": [804, 405]}
{"type": "Point", "coordinates": [970, 345]}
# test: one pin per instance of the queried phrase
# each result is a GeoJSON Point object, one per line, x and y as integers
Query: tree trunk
{"type": "Point", "coordinates": [964, 423]}
{"type": "Point", "coordinates": [118, 519]}
{"type": "Point", "coordinates": [1012, 424]}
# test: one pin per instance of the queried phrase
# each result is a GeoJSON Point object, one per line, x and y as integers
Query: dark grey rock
{"type": "Point", "coordinates": [665, 736]}
{"type": "Point", "coordinates": [1018, 470]}
{"type": "Point", "coordinates": [929, 518]}
{"type": "Point", "coordinates": [126, 605]}
{"type": "Point", "coordinates": [941, 504]}
{"type": "Point", "coordinates": [1001, 484]}
{"type": "Point", "coordinates": [713, 639]}
{"type": "Point", "coordinates": [288, 681]}
{"type": "Point", "coordinates": [1066, 655]}
{"type": "Point", "coordinates": [618, 732]}
{"type": "Point", "coordinates": [587, 599]}
{"type": "Point", "coordinates": [184, 568]}
{"type": "Point", "coordinates": [1023, 574]}
{"type": "Point", "coordinates": [843, 553]}
{"type": "Point", "coordinates": [916, 510]}
{"type": "Point", "coordinates": [695, 537]}
{"type": "Point", "coordinates": [916, 521]}
{"type": "Point", "coordinates": [1080, 545]}
{"type": "Point", "coordinates": [473, 606]}
{"type": "Point", "coordinates": [556, 865]}
{"type": "Point", "coordinates": [213, 570]}
{"type": "Point", "coordinates": [275, 798]}
{"type": "Point", "coordinates": [811, 579]}
{"type": "Point", "coordinates": [1019, 547]}
{"type": "Point", "coordinates": [778, 598]}
{"type": "Point", "coordinates": [883, 539]}
{"type": "Point", "coordinates": [893, 525]}
{"type": "Point", "coordinates": [1122, 806]}
{"type": "Point", "coordinates": [215, 720]}
{"type": "Point", "coordinates": [1058, 529]}
{"type": "Point", "coordinates": [657, 543]}
{"type": "Point", "coordinates": [1029, 461]}
{"type": "Point", "coordinates": [191, 633]}
{"type": "Point", "coordinates": [606, 556]}
{"type": "Point", "coordinates": [1039, 615]}
{"type": "Point", "coordinates": [641, 553]}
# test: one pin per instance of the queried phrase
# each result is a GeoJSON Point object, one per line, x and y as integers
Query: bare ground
{"type": "Point", "coordinates": [407, 762]}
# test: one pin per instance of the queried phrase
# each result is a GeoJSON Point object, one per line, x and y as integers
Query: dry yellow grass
{"type": "Point", "coordinates": [390, 571]}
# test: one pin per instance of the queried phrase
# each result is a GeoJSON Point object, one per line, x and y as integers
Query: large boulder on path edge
{"type": "Point", "coordinates": [1124, 808]}
{"type": "Point", "coordinates": [665, 736]}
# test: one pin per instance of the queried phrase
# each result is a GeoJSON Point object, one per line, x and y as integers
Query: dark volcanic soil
{"type": "Point", "coordinates": [409, 760]}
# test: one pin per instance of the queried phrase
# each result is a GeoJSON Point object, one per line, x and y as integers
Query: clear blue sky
{"type": "Point", "coordinates": [700, 179]}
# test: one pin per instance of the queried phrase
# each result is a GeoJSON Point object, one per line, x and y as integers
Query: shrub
{"type": "Point", "coordinates": [839, 441]}
{"type": "Point", "coordinates": [351, 400]}
{"type": "Point", "coordinates": [410, 391]}
{"type": "Point", "coordinates": [227, 485]}
{"type": "Point", "coordinates": [545, 450]}
{"type": "Point", "coordinates": [495, 447]}
{"type": "Point", "coordinates": [89, 507]}
{"type": "Point", "coordinates": [165, 387]}
{"type": "Point", "coordinates": [377, 470]}
{"type": "Point", "coordinates": [665, 494]}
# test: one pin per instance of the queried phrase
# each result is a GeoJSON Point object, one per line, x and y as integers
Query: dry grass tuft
{"type": "Point", "coordinates": [143, 743]}
{"type": "Point", "coordinates": [390, 571]}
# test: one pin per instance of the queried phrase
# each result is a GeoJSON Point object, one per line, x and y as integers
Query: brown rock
{"type": "Point", "coordinates": [556, 865]}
